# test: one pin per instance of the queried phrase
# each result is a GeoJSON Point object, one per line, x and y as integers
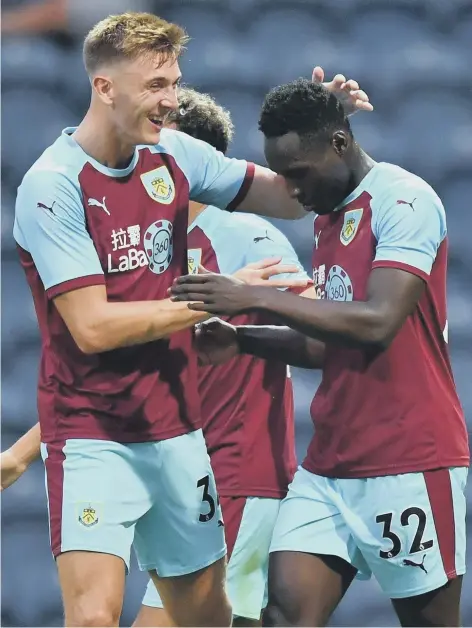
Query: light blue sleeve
{"type": "Point", "coordinates": [213, 178]}
{"type": "Point", "coordinates": [267, 241]}
{"type": "Point", "coordinates": [50, 225]}
{"type": "Point", "coordinates": [409, 227]}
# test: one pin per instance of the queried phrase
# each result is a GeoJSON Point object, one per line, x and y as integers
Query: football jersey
{"type": "Point", "coordinates": [247, 403]}
{"type": "Point", "coordinates": [384, 412]}
{"type": "Point", "coordinates": [79, 223]}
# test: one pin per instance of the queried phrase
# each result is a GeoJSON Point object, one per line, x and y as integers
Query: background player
{"type": "Point", "coordinates": [382, 487]}
{"type": "Point", "coordinates": [247, 404]}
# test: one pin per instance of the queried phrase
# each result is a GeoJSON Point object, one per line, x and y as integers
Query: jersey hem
{"type": "Point", "coordinates": [272, 493]}
{"type": "Point", "coordinates": [401, 266]}
{"type": "Point", "coordinates": [374, 472]}
{"type": "Point", "coordinates": [74, 284]}
{"type": "Point", "coordinates": [244, 189]}
{"type": "Point", "coordinates": [133, 438]}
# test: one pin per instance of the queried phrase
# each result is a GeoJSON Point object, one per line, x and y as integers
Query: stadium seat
{"type": "Point", "coordinates": [435, 124]}
{"type": "Point", "coordinates": [31, 120]}
{"type": "Point", "coordinates": [245, 108]}
{"type": "Point", "coordinates": [31, 62]}
{"type": "Point", "coordinates": [395, 48]}
{"type": "Point", "coordinates": [19, 386]}
{"type": "Point", "coordinates": [27, 497]}
{"type": "Point", "coordinates": [287, 44]}
{"type": "Point", "coordinates": [214, 52]}
{"type": "Point", "coordinates": [30, 595]}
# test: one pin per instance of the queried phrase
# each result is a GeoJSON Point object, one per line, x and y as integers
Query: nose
{"type": "Point", "coordinates": [170, 100]}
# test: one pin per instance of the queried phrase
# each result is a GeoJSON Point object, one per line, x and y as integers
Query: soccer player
{"type": "Point", "coordinates": [381, 489]}
{"type": "Point", "coordinates": [100, 223]}
{"type": "Point", "coordinates": [247, 403]}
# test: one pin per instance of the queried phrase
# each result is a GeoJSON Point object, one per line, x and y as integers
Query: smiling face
{"type": "Point", "coordinates": [315, 170]}
{"type": "Point", "coordinates": [140, 93]}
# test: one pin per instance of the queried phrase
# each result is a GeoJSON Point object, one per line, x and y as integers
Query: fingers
{"type": "Point", "coordinates": [203, 271]}
{"type": "Point", "coordinates": [194, 279]}
{"type": "Point", "coordinates": [338, 81]}
{"type": "Point", "coordinates": [280, 269]}
{"type": "Point", "coordinates": [317, 75]}
{"type": "Point", "coordinates": [287, 283]}
{"type": "Point", "coordinates": [264, 263]}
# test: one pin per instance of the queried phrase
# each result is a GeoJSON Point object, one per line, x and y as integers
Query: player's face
{"type": "Point", "coordinates": [316, 175]}
{"type": "Point", "coordinates": [143, 92]}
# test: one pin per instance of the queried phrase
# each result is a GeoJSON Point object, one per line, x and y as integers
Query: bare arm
{"type": "Point", "coordinates": [15, 460]}
{"type": "Point", "coordinates": [268, 196]}
{"type": "Point", "coordinates": [98, 325]}
{"type": "Point", "coordinates": [281, 343]}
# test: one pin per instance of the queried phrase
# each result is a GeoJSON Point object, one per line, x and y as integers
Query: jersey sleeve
{"type": "Point", "coordinates": [213, 178]}
{"type": "Point", "coordinates": [50, 226]}
{"type": "Point", "coordinates": [267, 241]}
{"type": "Point", "coordinates": [409, 228]}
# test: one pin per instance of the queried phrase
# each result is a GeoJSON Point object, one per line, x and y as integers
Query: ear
{"type": "Point", "coordinates": [103, 87]}
{"type": "Point", "coordinates": [340, 142]}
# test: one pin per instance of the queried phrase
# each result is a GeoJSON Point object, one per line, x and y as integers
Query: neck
{"type": "Point", "coordinates": [194, 210]}
{"type": "Point", "coordinates": [99, 139]}
{"type": "Point", "coordinates": [362, 164]}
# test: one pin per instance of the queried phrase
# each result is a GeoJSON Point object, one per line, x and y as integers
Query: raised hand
{"type": "Point", "coordinates": [347, 92]}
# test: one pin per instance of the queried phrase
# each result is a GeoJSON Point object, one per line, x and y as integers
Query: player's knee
{"type": "Point", "coordinates": [87, 612]}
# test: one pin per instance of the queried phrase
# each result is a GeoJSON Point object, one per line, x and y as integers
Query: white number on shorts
{"type": "Point", "coordinates": [418, 544]}
{"type": "Point", "coordinates": [205, 482]}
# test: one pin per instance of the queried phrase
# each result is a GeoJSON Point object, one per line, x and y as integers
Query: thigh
{"type": "Point", "coordinates": [183, 532]}
{"type": "Point", "coordinates": [305, 589]}
{"type": "Point", "coordinates": [95, 497]}
{"type": "Point", "coordinates": [92, 587]}
{"type": "Point", "coordinates": [410, 529]}
{"type": "Point", "coordinates": [196, 599]}
{"type": "Point", "coordinates": [248, 562]}
{"type": "Point", "coordinates": [436, 608]}
{"type": "Point", "coordinates": [310, 521]}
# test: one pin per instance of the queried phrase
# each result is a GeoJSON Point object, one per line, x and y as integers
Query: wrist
{"type": "Point", "coordinates": [242, 339]}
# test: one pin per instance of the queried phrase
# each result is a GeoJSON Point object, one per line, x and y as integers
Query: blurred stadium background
{"type": "Point", "coordinates": [413, 58]}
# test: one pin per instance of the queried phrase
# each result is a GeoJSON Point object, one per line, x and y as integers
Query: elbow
{"type": "Point", "coordinates": [379, 332]}
{"type": "Point", "coordinates": [90, 341]}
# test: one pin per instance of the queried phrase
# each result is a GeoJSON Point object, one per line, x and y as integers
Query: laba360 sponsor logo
{"type": "Point", "coordinates": [157, 253]}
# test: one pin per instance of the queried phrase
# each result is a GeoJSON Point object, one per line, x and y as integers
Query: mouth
{"type": "Point", "coordinates": [156, 121]}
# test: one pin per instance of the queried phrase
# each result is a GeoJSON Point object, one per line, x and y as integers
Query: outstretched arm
{"type": "Point", "coordinates": [15, 460]}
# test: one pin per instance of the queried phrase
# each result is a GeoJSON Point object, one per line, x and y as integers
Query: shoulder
{"type": "Point", "coordinates": [58, 166]}
{"type": "Point", "coordinates": [394, 185]}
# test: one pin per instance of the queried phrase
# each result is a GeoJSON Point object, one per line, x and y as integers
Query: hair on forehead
{"type": "Point", "coordinates": [302, 107]}
{"type": "Point", "coordinates": [200, 116]}
{"type": "Point", "coordinates": [130, 35]}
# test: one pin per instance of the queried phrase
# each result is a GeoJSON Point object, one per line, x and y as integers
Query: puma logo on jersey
{"type": "Point", "coordinates": [94, 203]}
{"type": "Point", "coordinates": [411, 563]}
{"type": "Point", "coordinates": [260, 238]}
{"type": "Point", "coordinates": [407, 203]}
{"type": "Point", "coordinates": [43, 206]}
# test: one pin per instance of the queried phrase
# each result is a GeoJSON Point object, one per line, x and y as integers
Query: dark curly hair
{"type": "Point", "coordinates": [200, 116]}
{"type": "Point", "coordinates": [303, 107]}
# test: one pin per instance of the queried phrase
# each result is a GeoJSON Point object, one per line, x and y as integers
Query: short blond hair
{"type": "Point", "coordinates": [130, 35]}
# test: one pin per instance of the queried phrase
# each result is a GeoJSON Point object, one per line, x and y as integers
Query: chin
{"type": "Point", "coordinates": [149, 139]}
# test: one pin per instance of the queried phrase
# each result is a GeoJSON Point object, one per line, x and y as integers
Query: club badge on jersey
{"type": "Point", "coordinates": [159, 185]}
{"type": "Point", "coordinates": [352, 219]}
{"type": "Point", "coordinates": [194, 257]}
